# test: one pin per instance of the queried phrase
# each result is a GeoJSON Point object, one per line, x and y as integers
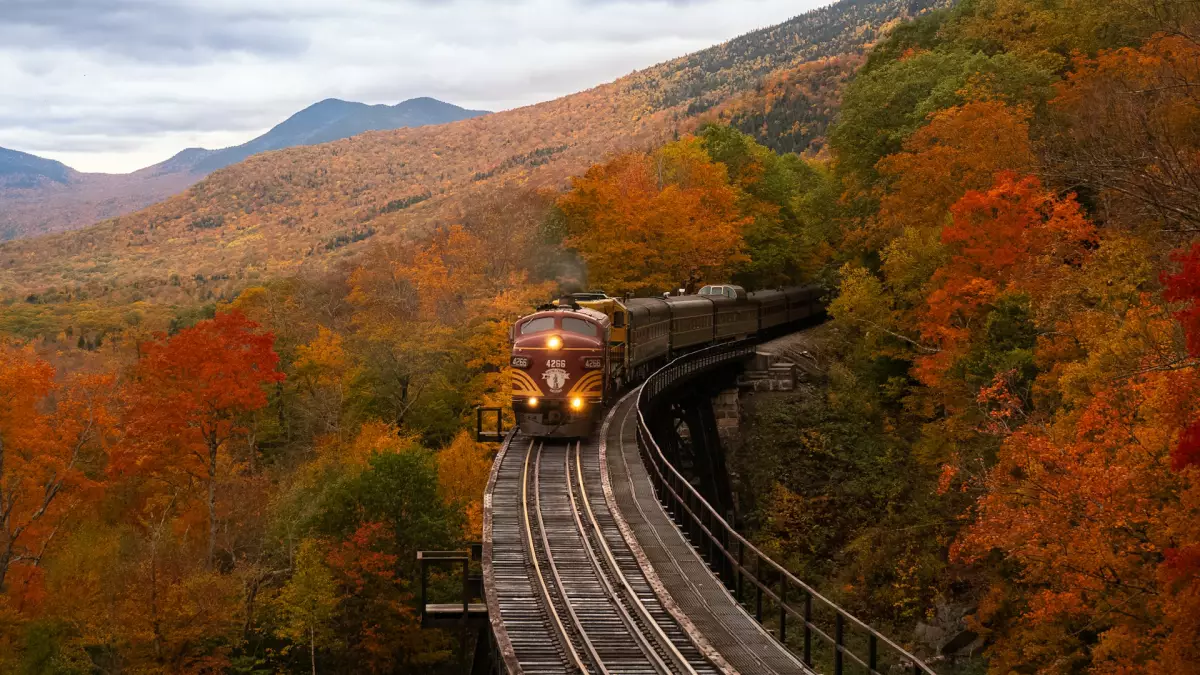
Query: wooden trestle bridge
{"type": "Point", "coordinates": [601, 556]}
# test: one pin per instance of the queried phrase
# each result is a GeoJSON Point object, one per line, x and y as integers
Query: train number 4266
{"type": "Point", "coordinates": [555, 363]}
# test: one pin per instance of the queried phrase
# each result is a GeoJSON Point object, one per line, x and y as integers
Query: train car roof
{"type": "Point", "coordinates": [581, 312]}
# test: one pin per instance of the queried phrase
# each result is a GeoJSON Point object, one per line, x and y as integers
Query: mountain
{"type": "Point", "coordinates": [315, 206]}
{"type": "Point", "coordinates": [39, 196]}
{"type": "Point", "coordinates": [327, 121]}
{"type": "Point", "coordinates": [22, 170]}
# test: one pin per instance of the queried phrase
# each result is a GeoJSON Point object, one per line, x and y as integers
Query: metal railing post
{"type": "Point", "coordinates": [872, 653]}
{"type": "Point", "coordinates": [740, 564]}
{"type": "Point", "coordinates": [808, 629]}
{"type": "Point", "coordinates": [839, 639]}
{"type": "Point", "coordinates": [466, 587]}
{"type": "Point", "coordinates": [783, 609]}
{"type": "Point", "coordinates": [424, 582]}
{"type": "Point", "coordinates": [758, 588]}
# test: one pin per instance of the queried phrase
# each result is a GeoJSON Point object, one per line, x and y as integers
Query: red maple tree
{"type": "Point", "coordinates": [191, 398]}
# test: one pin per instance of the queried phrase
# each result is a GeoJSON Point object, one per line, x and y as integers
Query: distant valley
{"type": "Point", "coordinates": [42, 196]}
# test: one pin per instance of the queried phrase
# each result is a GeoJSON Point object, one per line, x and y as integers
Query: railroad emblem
{"type": "Point", "coordinates": [556, 379]}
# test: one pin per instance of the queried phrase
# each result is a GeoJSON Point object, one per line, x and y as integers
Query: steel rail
{"type": "Point", "coordinates": [594, 560]}
{"type": "Point", "coordinates": [644, 614]}
{"type": "Point", "coordinates": [664, 379]}
{"type": "Point", "coordinates": [568, 644]}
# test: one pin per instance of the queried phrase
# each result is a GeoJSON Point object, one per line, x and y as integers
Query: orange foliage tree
{"type": "Point", "coordinates": [50, 435]}
{"type": "Point", "coordinates": [1015, 237]}
{"type": "Point", "coordinates": [1132, 130]}
{"type": "Point", "coordinates": [1103, 534]}
{"type": "Point", "coordinates": [463, 470]}
{"type": "Point", "coordinates": [961, 149]}
{"type": "Point", "coordinates": [190, 399]}
{"type": "Point", "coordinates": [652, 222]}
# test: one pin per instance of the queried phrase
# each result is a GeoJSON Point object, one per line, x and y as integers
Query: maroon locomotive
{"type": "Point", "coordinates": [559, 362]}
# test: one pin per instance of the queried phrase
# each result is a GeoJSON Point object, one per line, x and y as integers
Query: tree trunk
{"type": "Point", "coordinates": [155, 622]}
{"type": "Point", "coordinates": [5, 561]}
{"type": "Point", "coordinates": [212, 501]}
{"type": "Point", "coordinates": [251, 596]}
{"type": "Point", "coordinates": [283, 419]}
{"type": "Point", "coordinates": [312, 647]}
{"type": "Point", "coordinates": [252, 442]}
{"type": "Point", "coordinates": [6, 556]}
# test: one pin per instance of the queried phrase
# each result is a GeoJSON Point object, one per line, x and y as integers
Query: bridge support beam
{"type": "Point", "coordinates": [689, 430]}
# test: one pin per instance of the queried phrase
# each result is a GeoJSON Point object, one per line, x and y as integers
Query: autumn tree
{"type": "Point", "coordinates": [463, 470]}
{"type": "Point", "coordinates": [410, 300]}
{"type": "Point", "coordinates": [1131, 132]}
{"type": "Point", "coordinates": [324, 372]}
{"type": "Point", "coordinates": [656, 221]}
{"type": "Point", "coordinates": [52, 438]}
{"type": "Point", "coordinates": [190, 399]}
{"type": "Point", "coordinates": [1100, 530]}
{"type": "Point", "coordinates": [308, 601]}
{"type": "Point", "coordinates": [790, 204]}
{"type": "Point", "coordinates": [1014, 238]}
{"type": "Point", "coordinates": [374, 502]}
{"type": "Point", "coordinates": [960, 150]}
{"type": "Point", "coordinates": [1184, 287]}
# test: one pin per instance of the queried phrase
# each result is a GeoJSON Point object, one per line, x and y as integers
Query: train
{"type": "Point", "coordinates": [571, 357]}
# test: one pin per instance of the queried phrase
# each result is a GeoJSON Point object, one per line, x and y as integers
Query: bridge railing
{"type": "Point", "coordinates": [828, 634]}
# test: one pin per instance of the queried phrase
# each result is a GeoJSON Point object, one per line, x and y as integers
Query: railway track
{"type": "Point", "coordinates": [582, 588]}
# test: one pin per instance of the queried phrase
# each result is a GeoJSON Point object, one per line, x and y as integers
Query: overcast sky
{"type": "Point", "coordinates": [116, 85]}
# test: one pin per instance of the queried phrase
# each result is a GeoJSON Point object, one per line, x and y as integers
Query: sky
{"type": "Point", "coordinates": [116, 85]}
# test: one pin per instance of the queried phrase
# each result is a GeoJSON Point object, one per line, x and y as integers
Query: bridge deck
{"type": "Point", "coordinates": [709, 613]}
{"type": "Point", "coordinates": [565, 593]}
{"type": "Point", "coordinates": [582, 565]}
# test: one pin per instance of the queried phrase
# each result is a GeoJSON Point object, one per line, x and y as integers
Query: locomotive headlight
{"type": "Point", "coordinates": [554, 342]}
{"type": "Point", "coordinates": [533, 401]}
{"type": "Point", "coordinates": [577, 403]}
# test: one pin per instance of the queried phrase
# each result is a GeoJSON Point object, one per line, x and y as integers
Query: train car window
{"type": "Point", "coordinates": [579, 327]}
{"type": "Point", "coordinates": [537, 325]}
{"type": "Point", "coordinates": [618, 320]}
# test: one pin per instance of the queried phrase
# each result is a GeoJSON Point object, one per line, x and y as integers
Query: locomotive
{"type": "Point", "coordinates": [569, 358]}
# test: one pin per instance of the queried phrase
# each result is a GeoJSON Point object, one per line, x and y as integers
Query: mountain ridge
{"type": "Point", "coordinates": [22, 169]}
{"type": "Point", "coordinates": [42, 196]}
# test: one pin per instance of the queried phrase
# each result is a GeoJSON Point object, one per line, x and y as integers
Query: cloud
{"type": "Point", "coordinates": [151, 30]}
{"type": "Point", "coordinates": [115, 85]}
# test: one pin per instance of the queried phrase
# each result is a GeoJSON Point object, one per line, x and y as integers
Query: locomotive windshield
{"type": "Point", "coordinates": [538, 325]}
{"type": "Point", "coordinates": [580, 327]}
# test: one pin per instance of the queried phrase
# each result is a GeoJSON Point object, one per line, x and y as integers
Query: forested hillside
{"type": "Point", "coordinates": [313, 206]}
